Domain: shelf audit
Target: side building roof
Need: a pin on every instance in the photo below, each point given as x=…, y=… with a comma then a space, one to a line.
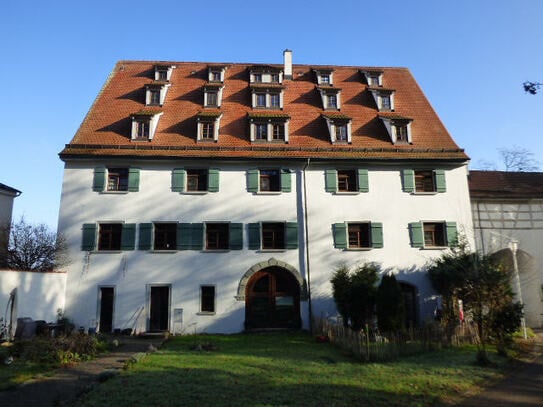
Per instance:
x=505, y=185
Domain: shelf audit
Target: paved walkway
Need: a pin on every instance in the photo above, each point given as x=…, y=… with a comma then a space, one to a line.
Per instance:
x=67, y=384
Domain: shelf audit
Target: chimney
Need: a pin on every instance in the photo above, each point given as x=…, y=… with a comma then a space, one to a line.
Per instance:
x=287, y=58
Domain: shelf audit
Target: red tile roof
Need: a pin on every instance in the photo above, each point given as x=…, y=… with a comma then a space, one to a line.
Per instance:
x=106, y=128
x=505, y=185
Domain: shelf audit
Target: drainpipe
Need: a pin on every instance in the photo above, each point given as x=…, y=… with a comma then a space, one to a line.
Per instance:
x=310, y=311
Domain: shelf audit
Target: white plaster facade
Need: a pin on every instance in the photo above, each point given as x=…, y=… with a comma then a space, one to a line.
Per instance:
x=131, y=273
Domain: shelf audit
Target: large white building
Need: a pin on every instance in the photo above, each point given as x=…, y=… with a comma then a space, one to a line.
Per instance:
x=220, y=197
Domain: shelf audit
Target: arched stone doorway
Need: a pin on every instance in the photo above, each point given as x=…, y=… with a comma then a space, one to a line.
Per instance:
x=272, y=300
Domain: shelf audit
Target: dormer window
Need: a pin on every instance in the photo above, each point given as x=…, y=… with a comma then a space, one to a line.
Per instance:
x=267, y=96
x=144, y=124
x=216, y=73
x=163, y=73
x=155, y=94
x=213, y=94
x=268, y=127
x=373, y=78
x=208, y=126
x=265, y=74
x=384, y=99
x=324, y=77
x=398, y=128
x=330, y=98
x=339, y=128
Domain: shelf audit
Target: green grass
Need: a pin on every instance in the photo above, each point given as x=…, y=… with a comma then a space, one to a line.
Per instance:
x=19, y=371
x=288, y=369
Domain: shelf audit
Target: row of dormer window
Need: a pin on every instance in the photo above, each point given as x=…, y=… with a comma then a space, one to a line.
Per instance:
x=265, y=180
x=266, y=235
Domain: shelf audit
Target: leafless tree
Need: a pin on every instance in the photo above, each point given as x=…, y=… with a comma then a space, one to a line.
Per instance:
x=34, y=248
x=531, y=87
x=518, y=159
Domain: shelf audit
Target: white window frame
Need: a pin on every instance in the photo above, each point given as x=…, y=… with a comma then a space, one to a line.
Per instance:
x=269, y=130
x=162, y=89
x=162, y=68
x=392, y=125
x=325, y=96
x=332, y=124
x=152, y=121
x=201, y=125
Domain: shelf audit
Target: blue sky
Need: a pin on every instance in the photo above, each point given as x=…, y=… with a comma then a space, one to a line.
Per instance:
x=470, y=57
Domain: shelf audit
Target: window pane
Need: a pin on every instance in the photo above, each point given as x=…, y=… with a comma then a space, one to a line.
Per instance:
x=341, y=132
x=278, y=132
x=261, y=131
x=109, y=237
x=424, y=181
x=257, y=77
x=142, y=129
x=211, y=98
x=275, y=77
x=325, y=79
x=273, y=235
x=385, y=102
x=434, y=234
x=117, y=179
x=401, y=133
x=261, y=100
x=275, y=100
x=207, y=296
x=155, y=97
x=346, y=180
x=270, y=180
x=359, y=234
x=196, y=180
x=215, y=76
x=165, y=236
x=208, y=130
x=217, y=236
x=332, y=101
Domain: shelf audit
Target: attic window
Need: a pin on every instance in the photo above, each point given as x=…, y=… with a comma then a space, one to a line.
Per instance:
x=163, y=72
x=267, y=96
x=266, y=74
x=216, y=73
x=155, y=94
x=339, y=128
x=373, y=78
x=208, y=127
x=144, y=124
x=398, y=128
x=324, y=77
x=213, y=94
x=269, y=128
x=384, y=99
x=330, y=98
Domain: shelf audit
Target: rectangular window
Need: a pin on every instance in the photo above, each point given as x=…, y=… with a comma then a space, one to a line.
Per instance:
x=385, y=102
x=341, y=132
x=109, y=236
x=424, y=181
x=211, y=98
x=196, y=180
x=117, y=179
x=208, y=130
x=217, y=236
x=142, y=129
x=215, y=76
x=162, y=75
x=275, y=100
x=207, y=298
x=165, y=236
x=401, y=133
x=434, y=234
x=260, y=100
x=373, y=80
x=331, y=102
x=346, y=181
x=278, y=131
x=154, y=97
x=270, y=180
x=325, y=79
x=359, y=235
x=273, y=235
x=257, y=77
x=261, y=131
x=274, y=78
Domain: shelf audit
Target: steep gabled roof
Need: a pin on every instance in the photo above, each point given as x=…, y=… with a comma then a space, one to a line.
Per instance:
x=505, y=185
x=9, y=190
x=106, y=129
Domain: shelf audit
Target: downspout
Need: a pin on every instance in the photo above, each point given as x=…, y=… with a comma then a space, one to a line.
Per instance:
x=310, y=311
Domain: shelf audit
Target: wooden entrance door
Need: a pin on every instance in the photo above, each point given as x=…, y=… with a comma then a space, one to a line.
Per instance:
x=272, y=300
x=107, y=295
x=410, y=303
x=159, y=308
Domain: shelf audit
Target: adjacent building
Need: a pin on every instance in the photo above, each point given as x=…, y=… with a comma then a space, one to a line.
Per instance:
x=7, y=195
x=220, y=197
x=508, y=221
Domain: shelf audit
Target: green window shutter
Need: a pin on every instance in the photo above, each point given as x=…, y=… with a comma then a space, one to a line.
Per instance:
x=285, y=180
x=363, y=183
x=292, y=235
x=254, y=236
x=252, y=180
x=213, y=180
x=178, y=180
x=376, y=235
x=99, y=180
x=197, y=236
x=340, y=236
x=417, y=235
x=184, y=236
x=128, y=236
x=441, y=185
x=408, y=178
x=89, y=237
x=236, y=236
x=133, y=179
x=146, y=236
x=452, y=234
x=330, y=180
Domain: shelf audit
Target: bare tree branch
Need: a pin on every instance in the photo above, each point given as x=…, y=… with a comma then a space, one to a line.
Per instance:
x=518, y=159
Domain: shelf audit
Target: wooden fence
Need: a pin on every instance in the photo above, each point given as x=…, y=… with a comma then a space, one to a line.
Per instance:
x=370, y=346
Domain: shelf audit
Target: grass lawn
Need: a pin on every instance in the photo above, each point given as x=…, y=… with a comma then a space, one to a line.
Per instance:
x=287, y=369
x=19, y=371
